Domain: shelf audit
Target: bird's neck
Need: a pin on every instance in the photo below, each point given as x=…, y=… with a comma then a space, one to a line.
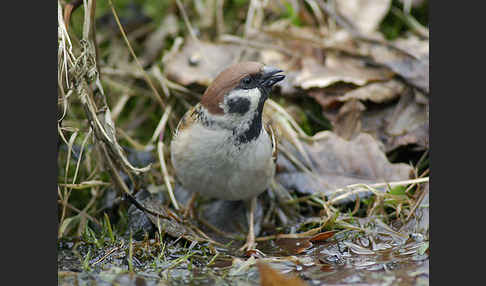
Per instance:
x=251, y=128
x=252, y=132
x=243, y=131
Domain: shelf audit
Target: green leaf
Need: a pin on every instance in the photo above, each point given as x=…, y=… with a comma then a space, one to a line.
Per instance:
x=398, y=190
x=65, y=224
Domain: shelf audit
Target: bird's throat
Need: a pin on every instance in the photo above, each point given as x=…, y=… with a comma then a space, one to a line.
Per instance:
x=253, y=131
x=254, y=127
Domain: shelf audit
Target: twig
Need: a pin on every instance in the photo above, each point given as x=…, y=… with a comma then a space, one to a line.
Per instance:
x=85, y=185
x=163, y=167
x=82, y=213
x=315, y=9
x=108, y=253
x=162, y=123
x=411, y=22
x=162, y=80
x=186, y=20
x=66, y=192
x=89, y=34
x=219, y=17
x=146, y=77
x=372, y=187
x=417, y=203
x=364, y=187
x=81, y=155
x=308, y=233
x=249, y=18
x=130, y=140
x=123, y=187
x=120, y=104
x=251, y=43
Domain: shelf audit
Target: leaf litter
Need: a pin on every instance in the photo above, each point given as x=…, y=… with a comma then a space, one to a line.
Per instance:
x=339, y=212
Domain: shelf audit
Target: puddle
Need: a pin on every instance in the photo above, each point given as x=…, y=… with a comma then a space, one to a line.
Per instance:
x=345, y=259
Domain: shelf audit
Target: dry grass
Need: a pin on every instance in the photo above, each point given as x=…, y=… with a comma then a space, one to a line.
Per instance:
x=88, y=120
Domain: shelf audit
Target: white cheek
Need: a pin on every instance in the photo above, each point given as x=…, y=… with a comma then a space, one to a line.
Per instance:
x=242, y=121
x=252, y=94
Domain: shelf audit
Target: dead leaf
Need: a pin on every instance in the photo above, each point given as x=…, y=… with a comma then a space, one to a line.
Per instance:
x=377, y=92
x=407, y=56
x=407, y=116
x=365, y=15
x=348, y=121
x=294, y=245
x=200, y=62
x=338, y=163
x=270, y=277
x=395, y=124
x=254, y=253
x=403, y=123
x=305, y=39
x=323, y=236
x=338, y=69
x=341, y=40
x=412, y=66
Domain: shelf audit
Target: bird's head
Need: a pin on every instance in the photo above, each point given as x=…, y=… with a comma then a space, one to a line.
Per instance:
x=235, y=98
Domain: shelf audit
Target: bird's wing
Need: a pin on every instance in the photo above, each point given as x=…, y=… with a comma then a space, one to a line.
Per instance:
x=186, y=120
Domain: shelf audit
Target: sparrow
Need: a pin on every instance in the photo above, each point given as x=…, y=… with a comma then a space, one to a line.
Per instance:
x=221, y=147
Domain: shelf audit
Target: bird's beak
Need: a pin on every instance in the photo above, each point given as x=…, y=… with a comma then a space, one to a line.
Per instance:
x=270, y=77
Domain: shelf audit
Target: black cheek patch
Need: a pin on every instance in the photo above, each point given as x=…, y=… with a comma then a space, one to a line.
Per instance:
x=239, y=105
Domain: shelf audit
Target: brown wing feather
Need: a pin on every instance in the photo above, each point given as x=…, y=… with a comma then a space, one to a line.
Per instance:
x=186, y=120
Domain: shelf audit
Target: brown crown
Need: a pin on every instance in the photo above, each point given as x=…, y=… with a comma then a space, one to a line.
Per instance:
x=225, y=82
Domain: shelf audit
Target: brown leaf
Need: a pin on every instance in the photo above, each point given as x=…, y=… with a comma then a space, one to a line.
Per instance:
x=413, y=66
x=377, y=92
x=323, y=235
x=337, y=69
x=254, y=253
x=294, y=245
x=338, y=163
x=348, y=121
x=271, y=277
x=395, y=124
x=403, y=123
x=200, y=62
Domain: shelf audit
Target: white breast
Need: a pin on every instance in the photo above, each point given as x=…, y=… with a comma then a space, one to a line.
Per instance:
x=208, y=162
